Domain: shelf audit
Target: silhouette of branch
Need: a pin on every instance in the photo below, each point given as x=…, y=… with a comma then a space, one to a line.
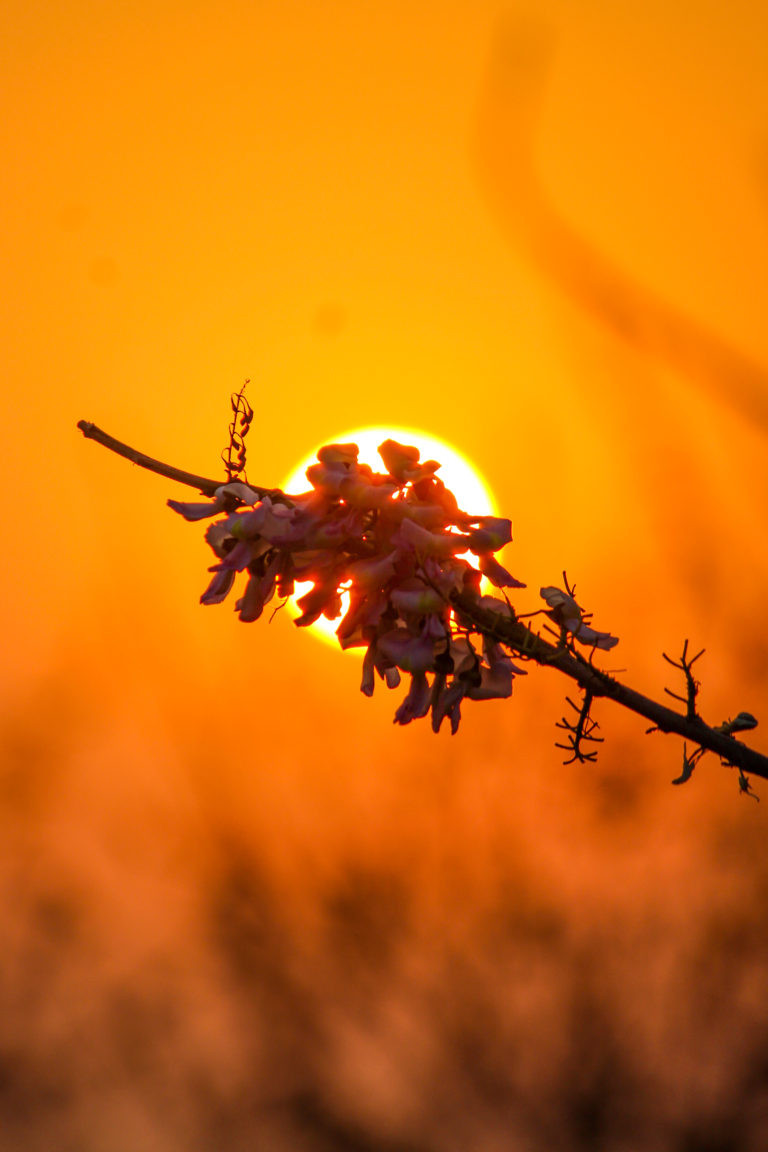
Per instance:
x=692, y=685
x=234, y=454
x=580, y=732
x=202, y=483
x=600, y=684
x=496, y=625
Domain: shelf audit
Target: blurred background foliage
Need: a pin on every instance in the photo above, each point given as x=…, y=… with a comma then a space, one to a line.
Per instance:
x=239, y=909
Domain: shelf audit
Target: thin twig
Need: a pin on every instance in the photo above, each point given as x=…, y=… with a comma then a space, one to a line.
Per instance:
x=581, y=732
x=202, y=483
x=522, y=640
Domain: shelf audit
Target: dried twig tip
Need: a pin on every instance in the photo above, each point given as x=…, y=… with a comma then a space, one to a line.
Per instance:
x=234, y=454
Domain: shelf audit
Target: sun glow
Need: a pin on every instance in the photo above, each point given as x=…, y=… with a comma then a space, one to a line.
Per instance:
x=456, y=472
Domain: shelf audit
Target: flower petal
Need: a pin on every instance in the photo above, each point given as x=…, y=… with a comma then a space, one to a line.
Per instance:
x=497, y=574
x=411, y=653
x=368, y=681
x=417, y=597
x=494, y=532
x=594, y=639
x=398, y=458
x=416, y=703
x=219, y=587
x=338, y=455
x=195, y=511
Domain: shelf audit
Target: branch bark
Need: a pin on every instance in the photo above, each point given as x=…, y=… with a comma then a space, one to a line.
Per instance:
x=203, y=483
x=519, y=637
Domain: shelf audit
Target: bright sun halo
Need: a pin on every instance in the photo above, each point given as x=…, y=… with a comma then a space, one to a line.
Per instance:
x=456, y=473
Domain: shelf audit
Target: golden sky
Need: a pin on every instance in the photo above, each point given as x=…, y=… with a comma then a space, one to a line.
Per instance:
x=539, y=232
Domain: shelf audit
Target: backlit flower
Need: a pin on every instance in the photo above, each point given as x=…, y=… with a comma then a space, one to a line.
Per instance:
x=402, y=462
x=406, y=651
x=396, y=544
x=568, y=615
x=416, y=703
x=224, y=497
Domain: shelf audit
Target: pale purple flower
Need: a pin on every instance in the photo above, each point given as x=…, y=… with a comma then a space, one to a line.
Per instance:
x=258, y=592
x=495, y=683
x=374, y=661
x=326, y=480
x=420, y=540
x=414, y=596
x=409, y=652
x=494, y=655
x=368, y=681
x=596, y=639
x=223, y=499
x=216, y=536
x=358, y=492
x=340, y=456
x=434, y=627
x=416, y=703
x=434, y=493
x=447, y=576
x=402, y=462
x=336, y=462
x=446, y=701
x=494, y=532
x=219, y=587
x=426, y=515
x=568, y=615
x=362, y=616
x=321, y=599
x=373, y=573
x=498, y=575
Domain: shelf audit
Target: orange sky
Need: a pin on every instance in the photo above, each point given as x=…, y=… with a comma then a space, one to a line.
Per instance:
x=541, y=233
x=298, y=195
x=371, y=213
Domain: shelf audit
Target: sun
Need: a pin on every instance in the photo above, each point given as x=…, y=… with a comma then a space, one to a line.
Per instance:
x=456, y=472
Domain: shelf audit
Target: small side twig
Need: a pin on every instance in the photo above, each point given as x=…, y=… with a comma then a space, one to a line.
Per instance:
x=203, y=484
x=234, y=453
x=692, y=685
x=580, y=732
x=689, y=763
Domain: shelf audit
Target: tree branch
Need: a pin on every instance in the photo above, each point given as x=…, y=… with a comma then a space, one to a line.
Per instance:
x=521, y=639
x=202, y=483
x=528, y=644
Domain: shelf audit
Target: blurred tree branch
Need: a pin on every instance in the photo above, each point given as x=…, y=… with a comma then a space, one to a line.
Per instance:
x=505, y=131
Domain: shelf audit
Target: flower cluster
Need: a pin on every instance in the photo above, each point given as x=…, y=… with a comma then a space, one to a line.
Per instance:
x=397, y=542
x=565, y=612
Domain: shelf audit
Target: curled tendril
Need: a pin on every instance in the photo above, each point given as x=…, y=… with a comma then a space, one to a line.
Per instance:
x=234, y=454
